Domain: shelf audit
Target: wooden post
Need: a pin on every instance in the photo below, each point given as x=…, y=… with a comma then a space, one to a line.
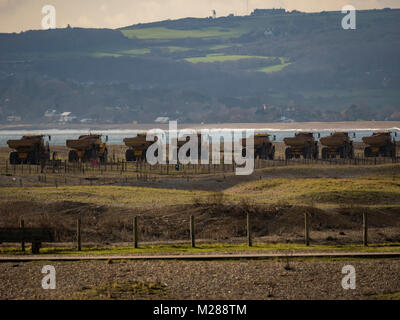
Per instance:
x=22, y=226
x=78, y=232
x=365, y=229
x=135, y=232
x=249, y=240
x=192, y=238
x=306, y=229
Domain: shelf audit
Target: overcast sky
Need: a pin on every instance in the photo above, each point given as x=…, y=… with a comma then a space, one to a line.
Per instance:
x=19, y=15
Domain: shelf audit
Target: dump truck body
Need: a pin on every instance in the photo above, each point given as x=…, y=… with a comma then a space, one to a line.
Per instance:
x=337, y=144
x=137, y=147
x=380, y=144
x=30, y=149
x=87, y=148
x=302, y=144
x=263, y=147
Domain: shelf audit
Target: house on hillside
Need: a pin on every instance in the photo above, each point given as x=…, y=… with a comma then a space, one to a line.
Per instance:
x=162, y=120
x=13, y=118
x=66, y=117
x=267, y=12
x=51, y=115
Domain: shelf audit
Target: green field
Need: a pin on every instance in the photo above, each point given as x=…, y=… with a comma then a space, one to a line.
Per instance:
x=206, y=248
x=382, y=191
x=322, y=192
x=220, y=57
x=164, y=33
x=274, y=68
x=135, y=52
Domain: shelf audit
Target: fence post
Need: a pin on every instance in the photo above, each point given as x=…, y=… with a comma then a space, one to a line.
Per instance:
x=135, y=232
x=22, y=226
x=78, y=231
x=192, y=238
x=306, y=229
x=249, y=240
x=365, y=229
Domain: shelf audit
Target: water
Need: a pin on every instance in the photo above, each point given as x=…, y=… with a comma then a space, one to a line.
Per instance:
x=116, y=137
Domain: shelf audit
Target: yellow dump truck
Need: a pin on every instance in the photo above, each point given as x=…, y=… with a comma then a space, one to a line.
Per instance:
x=87, y=148
x=337, y=144
x=137, y=147
x=380, y=144
x=30, y=149
x=263, y=147
x=303, y=145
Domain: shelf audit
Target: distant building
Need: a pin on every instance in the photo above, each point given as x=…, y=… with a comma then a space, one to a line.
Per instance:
x=287, y=120
x=51, y=115
x=162, y=120
x=266, y=12
x=66, y=117
x=13, y=118
x=86, y=121
x=268, y=33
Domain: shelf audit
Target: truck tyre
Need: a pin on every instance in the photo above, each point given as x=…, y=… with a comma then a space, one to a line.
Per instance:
x=103, y=158
x=341, y=153
x=33, y=158
x=367, y=152
x=324, y=153
x=129, y=155
x=307, y=153
x=14, y=159
x=272, y=153
x=316, y=152
x=72, y=156
x=288, y=154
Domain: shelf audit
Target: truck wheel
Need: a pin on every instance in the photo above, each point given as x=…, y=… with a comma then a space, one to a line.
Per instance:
x=129, y=155
x=316, y=153
x=14, y=159
x=307, y=153
x=341, y=153
x=288, y=154
x=367, y=152
x=103, y=158
x=272, y=154
x=324, y=153
x=33, y=158
x=351, y=153
x=72, y=156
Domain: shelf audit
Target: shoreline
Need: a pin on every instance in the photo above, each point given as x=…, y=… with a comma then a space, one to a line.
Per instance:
x=344, y=125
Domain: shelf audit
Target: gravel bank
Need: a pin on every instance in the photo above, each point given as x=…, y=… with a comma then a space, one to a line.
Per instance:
x=309, y=279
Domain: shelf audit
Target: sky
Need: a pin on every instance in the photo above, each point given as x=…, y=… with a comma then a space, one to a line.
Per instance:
x=21, y=15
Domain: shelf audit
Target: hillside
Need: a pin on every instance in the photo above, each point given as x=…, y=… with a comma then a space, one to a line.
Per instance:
x=300, y=66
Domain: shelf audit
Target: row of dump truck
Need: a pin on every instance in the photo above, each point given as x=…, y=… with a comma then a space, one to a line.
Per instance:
x=32, y=149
